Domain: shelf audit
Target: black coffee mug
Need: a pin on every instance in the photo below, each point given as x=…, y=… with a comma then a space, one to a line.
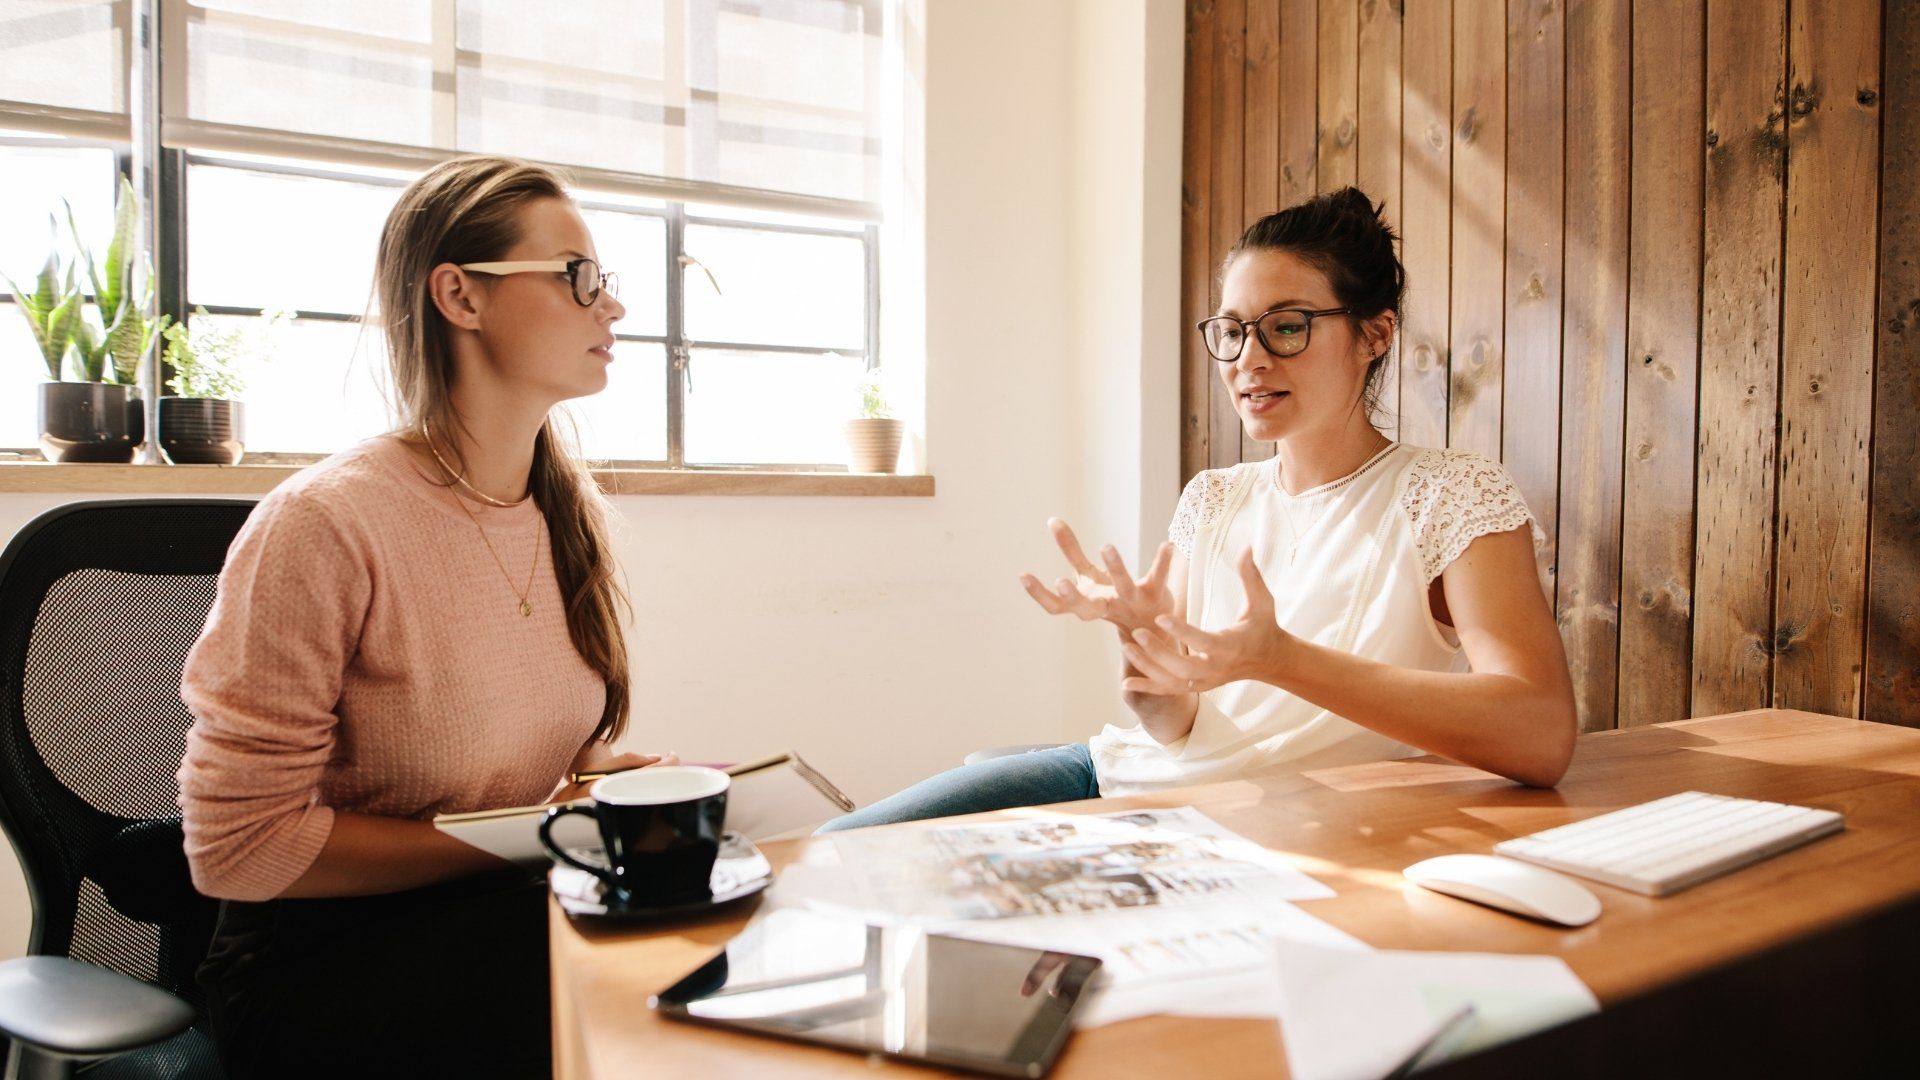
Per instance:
x=661, y=827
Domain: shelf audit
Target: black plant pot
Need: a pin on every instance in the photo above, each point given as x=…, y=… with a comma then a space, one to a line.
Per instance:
x=202, y=431
x=83, y=421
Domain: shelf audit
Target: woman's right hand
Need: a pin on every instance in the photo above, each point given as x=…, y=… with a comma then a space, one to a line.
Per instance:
x=1108, y=592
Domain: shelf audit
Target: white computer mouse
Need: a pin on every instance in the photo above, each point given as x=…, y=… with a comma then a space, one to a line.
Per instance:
x=1510, y=885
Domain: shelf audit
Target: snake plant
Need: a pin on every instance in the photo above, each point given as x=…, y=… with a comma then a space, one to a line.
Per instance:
x=124, y=331
x=52, y=308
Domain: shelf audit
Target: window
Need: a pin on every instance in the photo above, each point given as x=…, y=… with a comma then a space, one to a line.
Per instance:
x=726, y=156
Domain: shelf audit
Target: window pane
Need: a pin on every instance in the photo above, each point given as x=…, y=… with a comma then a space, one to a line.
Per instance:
x=771, y=408
x=33, y=180
x=635, y=247
x=628, y=420
x=382, y=18
x=319, y=391
x=776, y=288
x=259, y=239
x=581, y=82
x=63, y=52
x=287, y=77
x=612, y=37
x=21, y=371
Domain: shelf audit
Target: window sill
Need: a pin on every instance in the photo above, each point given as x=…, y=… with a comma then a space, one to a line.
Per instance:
x=260, y=479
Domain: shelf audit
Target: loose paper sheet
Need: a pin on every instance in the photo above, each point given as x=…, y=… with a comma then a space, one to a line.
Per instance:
x=1347, y=1014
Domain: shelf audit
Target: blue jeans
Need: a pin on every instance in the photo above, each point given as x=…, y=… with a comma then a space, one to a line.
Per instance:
x=1062, y=774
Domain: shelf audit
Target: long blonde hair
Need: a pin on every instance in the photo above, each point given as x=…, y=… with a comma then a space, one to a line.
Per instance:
x=468, y=210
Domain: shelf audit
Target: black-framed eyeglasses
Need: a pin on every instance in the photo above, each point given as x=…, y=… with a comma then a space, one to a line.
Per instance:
x=584, y=275
x=1283, y=331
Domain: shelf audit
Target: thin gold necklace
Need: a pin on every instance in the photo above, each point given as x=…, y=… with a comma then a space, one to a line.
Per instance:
x=426, y=433
x=525, y=594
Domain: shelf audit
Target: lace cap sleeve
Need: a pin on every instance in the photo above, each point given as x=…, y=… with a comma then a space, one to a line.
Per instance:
x=1454, y=497
x=1200, y=504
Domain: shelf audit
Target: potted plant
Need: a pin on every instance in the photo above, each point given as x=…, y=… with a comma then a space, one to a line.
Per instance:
x=203, y=422
x=873, y=437
x=99, y=415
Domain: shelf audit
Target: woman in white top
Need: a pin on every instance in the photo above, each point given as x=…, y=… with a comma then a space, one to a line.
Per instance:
x=1350, y=599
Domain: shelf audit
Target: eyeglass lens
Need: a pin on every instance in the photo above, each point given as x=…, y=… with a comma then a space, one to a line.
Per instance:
x=1283, y=333
x=586, y=281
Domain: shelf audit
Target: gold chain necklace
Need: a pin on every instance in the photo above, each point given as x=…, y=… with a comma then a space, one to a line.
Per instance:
x=460, y=478
x=525, y=594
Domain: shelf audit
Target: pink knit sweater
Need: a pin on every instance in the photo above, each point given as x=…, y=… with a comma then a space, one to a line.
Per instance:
x=366, y=654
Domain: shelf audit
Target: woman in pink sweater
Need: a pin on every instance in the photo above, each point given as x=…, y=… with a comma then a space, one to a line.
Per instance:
x=427, y=623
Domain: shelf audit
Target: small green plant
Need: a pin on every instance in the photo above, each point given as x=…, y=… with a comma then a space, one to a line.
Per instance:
x=52, y=308
x=206, y=358
x=873, y=399
x=124, y=331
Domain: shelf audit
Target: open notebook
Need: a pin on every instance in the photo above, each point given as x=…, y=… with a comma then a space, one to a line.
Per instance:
x=770, y=798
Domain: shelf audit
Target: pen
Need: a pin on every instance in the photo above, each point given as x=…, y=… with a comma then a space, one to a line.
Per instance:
x=589, y=777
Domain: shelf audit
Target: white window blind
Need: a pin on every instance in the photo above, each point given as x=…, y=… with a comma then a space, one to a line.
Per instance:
x=63, y=66
x=765, y=102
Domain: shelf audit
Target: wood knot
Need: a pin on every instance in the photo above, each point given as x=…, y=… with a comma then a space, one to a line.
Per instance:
x=1713, y=137
x=1813, y=386
x=1802, y=101
x=1469, y=124
x=1644, y=451
x=1437, y=136
x=1649, y=360
x=1535, y=289
x=1344, y=134
x=1867, y=95
x=1897, y=322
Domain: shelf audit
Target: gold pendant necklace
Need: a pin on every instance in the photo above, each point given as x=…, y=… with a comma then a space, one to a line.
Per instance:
x=525, y=594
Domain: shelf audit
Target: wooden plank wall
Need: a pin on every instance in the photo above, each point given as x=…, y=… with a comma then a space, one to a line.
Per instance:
x=1664, y=261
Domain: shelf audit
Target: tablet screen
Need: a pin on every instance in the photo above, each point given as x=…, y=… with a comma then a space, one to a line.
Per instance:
x=899, y=991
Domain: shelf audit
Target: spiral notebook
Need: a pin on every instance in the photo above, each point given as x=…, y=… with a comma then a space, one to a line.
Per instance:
x=771, y=798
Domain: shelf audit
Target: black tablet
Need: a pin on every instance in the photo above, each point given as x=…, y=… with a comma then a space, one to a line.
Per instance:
x=897, y=991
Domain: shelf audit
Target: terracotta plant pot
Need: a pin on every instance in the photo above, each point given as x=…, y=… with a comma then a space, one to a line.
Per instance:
x=202, y=431
x=873, y=446
x=85, y=421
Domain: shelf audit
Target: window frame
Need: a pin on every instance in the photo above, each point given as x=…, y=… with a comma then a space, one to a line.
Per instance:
x=149, y=29
x=174, y=288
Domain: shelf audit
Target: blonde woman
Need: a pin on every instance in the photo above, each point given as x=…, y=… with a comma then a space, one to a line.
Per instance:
x=426, y=623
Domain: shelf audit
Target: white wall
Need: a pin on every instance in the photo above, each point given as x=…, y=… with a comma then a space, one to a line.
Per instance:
x=1033, y=263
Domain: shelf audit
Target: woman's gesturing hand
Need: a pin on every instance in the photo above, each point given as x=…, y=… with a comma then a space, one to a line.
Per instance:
x=1173, y=657
x=1108, y=591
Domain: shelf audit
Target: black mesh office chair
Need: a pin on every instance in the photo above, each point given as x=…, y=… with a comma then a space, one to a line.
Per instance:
x=99, y=603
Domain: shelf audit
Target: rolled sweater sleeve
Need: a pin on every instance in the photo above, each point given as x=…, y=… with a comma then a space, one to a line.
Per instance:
x=264, y=683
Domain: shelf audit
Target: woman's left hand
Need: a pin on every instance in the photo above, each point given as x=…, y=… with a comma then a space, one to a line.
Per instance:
x=1181, y=659
x=597, y=757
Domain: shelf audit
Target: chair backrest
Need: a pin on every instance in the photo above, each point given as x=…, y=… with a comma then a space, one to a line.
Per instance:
x=99, y=604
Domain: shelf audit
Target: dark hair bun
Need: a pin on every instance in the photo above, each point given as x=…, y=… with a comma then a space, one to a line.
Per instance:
x=1341, y=234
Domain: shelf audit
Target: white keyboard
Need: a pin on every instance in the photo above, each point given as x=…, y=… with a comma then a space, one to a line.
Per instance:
x=1674, y=843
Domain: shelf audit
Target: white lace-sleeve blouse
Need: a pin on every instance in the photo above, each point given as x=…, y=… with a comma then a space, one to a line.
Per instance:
x=1349, y=564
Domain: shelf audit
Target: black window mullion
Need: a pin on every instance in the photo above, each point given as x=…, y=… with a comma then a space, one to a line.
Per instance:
x=170, y=210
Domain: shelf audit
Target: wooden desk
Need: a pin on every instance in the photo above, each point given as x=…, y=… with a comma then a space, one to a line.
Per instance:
x=1752, y=948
